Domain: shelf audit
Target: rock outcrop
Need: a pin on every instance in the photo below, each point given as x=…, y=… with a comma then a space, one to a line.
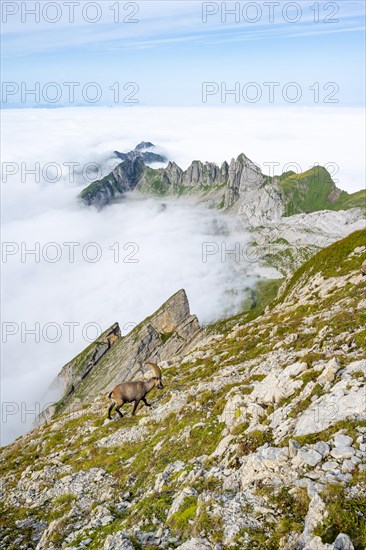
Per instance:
x=123, y=178
x=113, y=358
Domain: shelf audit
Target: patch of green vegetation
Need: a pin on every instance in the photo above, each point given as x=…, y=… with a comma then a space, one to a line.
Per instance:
x=108, y=184
x=210, y=483
x=290, y=510
x=8, y=519
x=307, y=192
x=305, y=403
x=180, y=522
x=349, y=426
x=60, y=506
x=241, y=428
x=257, y=377
x=154, y=507
x=155, y=182
x=211, y=526
x=99, y=535
x=332, y=261
x=352, y=200
x=312, y=357
x=309, y=376
x=165, y=336
x=251, y=441
x=346, y=513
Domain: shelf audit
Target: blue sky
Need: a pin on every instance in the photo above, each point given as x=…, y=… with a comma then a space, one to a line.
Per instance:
x=176, y=46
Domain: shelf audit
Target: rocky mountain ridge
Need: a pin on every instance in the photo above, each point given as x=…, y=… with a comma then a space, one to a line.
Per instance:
x=258, y=440
x=112, y=357
x=226, y=185
x=289, y=217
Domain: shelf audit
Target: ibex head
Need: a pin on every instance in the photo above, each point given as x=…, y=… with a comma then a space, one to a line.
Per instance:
x=157, y=374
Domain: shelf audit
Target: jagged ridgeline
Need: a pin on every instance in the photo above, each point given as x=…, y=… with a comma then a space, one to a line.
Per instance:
x=112, y=358
x=257, y=441
x=225, y=185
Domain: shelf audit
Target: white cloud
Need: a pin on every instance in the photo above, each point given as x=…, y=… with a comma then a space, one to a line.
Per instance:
x=169, y=239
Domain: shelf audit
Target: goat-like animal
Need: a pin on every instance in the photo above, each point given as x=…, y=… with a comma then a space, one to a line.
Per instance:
x=136, y=391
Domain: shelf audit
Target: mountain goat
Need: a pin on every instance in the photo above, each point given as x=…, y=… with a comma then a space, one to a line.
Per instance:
x=136, y=391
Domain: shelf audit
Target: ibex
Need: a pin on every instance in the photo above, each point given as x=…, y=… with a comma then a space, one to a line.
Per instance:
x=134, y=391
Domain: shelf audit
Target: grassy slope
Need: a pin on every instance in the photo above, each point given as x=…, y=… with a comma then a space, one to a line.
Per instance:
x=312, y=190
x=332, y=261
x=352, y=200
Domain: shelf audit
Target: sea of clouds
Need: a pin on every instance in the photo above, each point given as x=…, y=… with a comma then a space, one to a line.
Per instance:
x=121, y=263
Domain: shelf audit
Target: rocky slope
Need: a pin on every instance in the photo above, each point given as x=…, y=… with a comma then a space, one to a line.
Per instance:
x=258, y=440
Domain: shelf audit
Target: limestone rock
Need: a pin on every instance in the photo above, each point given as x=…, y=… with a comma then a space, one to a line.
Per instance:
x=310, y=457
x=195, y=544
x=341, y=452
x=341, y=440
x=343, y=542
x=118, y=541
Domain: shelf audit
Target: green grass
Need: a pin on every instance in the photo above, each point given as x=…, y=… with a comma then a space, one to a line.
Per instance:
x=349, y=426
x=352, y=200
x=346, y=513
x=332, y=261
x=308, y=191
x=180, y=522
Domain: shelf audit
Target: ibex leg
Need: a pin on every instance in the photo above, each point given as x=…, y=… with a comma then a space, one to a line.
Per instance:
x=135, y=407
x=118, y=410
x=110, y=410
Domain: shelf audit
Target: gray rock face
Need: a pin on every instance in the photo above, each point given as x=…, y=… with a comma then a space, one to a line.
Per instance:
x=343, y=542
x=123, y=178
x=144, y=150
x=342, y=452
x=322, y=448
x=244, y=176
x=195, y=544
x=208, y=173
x=118, y=541
x=342, y=440
x=310, y=457
x=159, y=338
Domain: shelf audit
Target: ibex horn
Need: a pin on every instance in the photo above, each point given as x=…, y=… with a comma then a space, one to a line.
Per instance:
x=154, y=367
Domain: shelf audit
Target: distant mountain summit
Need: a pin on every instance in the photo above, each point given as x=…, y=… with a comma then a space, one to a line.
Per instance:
x=142, y=151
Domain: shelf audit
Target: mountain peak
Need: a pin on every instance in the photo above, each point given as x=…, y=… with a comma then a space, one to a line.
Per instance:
x=112, y=358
